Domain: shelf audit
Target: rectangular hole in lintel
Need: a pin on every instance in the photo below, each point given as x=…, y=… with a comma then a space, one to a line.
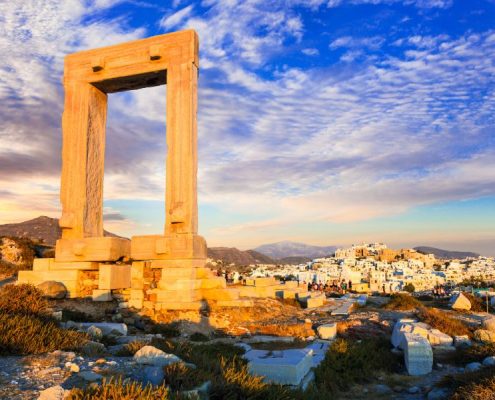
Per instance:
x=141, y=81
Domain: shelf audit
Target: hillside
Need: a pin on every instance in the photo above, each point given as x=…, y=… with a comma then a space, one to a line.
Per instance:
x=232, y=255
x=42, y=229
x=293, y=249
x=445, y=254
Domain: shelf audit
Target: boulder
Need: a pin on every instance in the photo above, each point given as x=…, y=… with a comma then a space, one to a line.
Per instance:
x=150, y=355
x=484, y=336
x=106, y=327
x=472, y=367
x=90, y=376
x=462, y=341
x=93, y=349
x=460, y=302
x=53, y=289
x=489, y=361
x=153, y=375
x=52, y=393
x=438, y=338
x=94, y=332
x=327, y=331
x=418, y=355
x=488, y=324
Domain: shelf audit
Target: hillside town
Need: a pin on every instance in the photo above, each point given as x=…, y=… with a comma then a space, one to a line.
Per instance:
x=373, y=267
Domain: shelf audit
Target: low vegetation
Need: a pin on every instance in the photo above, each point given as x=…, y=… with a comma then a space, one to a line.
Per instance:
x=120, y=390
x=402, y=302
x=22, y=299
x=479, y=385
x=25, y=252
x=348, y=362
x=442, y=321
x=26, y=326
x=477, y=304
x=476, y=352
x=29, y=334
x=129, y=349
x=179, y=377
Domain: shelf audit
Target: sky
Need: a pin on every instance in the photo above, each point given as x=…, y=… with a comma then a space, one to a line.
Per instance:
x=328, y=122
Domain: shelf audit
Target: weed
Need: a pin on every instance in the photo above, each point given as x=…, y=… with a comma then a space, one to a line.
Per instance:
x=198, y=337
x=476, y=352
x=478, y=385
x=166, y=330
x=181, y=377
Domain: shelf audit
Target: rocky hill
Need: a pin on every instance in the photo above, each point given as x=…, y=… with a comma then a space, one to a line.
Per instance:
x=231, y=255
x=42, y=229
x=293, y=249
x=445, y=254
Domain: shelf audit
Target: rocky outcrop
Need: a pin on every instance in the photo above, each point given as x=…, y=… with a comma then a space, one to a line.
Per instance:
x=53, y=289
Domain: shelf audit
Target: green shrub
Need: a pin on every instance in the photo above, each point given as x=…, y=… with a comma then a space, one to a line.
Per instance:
x=410, y=288
x=442, y=321
x=347, y=363
x=199, y=337
x=402, y=302
x=166, y=330
x=30, y=334
x=120, y=390
x=76, y=316
x=22, y=299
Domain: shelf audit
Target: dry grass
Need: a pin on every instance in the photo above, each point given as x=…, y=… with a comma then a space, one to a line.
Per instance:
x=477, y=304
x=29, y=334
x=442, y=321
x=181, y=377
x=26, y=253
x=129, y=349
x=295, y=330
x=22, y=299
x=120, y=390
x=476, y=352
x=402, y=302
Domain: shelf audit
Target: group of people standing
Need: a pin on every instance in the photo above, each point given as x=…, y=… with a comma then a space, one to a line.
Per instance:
x=333, y=286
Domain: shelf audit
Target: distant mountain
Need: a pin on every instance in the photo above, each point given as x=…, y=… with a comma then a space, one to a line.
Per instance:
x=445, y=254
x=293, y=249
x=42, y=229
x=296, y=260
x=231, y=255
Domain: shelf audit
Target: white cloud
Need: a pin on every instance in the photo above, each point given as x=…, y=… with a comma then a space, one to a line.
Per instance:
x=310, y=51
x=171, y=21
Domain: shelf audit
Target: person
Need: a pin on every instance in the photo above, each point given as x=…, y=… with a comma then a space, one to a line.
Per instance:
x=350, y=285
x=343, y=286
x=309, y=286
x=383, y=288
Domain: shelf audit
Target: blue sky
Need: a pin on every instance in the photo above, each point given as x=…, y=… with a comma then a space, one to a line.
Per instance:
x=328, y=122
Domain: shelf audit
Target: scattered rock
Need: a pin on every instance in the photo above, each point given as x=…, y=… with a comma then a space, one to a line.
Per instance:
x=460, y=302
x=72, y=367
x=484, y=336
x=413, y=390
x=474, y=366
x=462, y=341
x=489, y=361
x=154, y=375
x=93, y=349
x=438, y=394
x=95, y=333
x=382, y=389
x=488, y=324
x=90, y=376
x=327, y=331
x=52, y=393
x=150, y=355
x=418, y=355
x=53, y=289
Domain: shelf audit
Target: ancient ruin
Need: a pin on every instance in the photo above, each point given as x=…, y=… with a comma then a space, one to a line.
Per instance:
x=156, y=272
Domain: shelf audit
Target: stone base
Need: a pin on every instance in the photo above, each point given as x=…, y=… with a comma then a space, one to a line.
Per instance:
x=92, y=249
x=169, y=247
